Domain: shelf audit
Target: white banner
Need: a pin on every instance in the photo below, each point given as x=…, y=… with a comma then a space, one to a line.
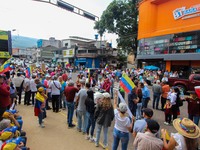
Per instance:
x=123, y=101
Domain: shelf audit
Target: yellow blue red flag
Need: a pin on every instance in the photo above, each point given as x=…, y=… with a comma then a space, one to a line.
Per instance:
x=5, y=67
x=126, y=83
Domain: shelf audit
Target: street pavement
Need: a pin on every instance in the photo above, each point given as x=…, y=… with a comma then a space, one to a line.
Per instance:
x=57, y=136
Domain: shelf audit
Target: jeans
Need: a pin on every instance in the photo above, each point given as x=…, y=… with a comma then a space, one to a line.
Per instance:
x=82, y=124
x=55, y=103
x=145, y=102
x=40, y=117
x=111, y=92
x=91, y=123
x=105, y=133
x=62, y=100
x=195, y=119
x=70, y=109
x=20, y=121
x=139, y=111
x=156, y=99
x=117, y=136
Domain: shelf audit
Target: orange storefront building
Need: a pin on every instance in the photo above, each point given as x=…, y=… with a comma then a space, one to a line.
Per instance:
x=169, y=34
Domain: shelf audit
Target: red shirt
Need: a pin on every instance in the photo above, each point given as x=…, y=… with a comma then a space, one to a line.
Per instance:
x=70, y=92
x=4, y=95
x=64, y=76
x=193, y=106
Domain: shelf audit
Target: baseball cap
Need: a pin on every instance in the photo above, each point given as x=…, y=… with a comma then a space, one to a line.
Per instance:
x=122, y=107
x=148, y=112
x=152, y=125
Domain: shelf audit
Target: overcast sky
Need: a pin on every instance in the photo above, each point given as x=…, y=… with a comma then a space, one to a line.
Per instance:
x=41, y=20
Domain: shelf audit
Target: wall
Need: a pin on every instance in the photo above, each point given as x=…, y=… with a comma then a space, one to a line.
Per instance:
x=157, y=19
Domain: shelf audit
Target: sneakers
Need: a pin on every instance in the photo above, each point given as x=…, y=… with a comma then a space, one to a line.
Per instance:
x=97, y=144
x=42, y=125
x=105, y=146
x=92, y=140
x=87, y=137
x=166, y=123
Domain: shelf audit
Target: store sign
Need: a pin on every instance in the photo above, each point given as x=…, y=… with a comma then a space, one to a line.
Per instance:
x=68, y=53
x=3, y=35
x=186, y=13
x=4, y=54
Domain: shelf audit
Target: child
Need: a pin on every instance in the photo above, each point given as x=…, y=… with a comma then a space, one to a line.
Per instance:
x=40, y=105
x=168, y=114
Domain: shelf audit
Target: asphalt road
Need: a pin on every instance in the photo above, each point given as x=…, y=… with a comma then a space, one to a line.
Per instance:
x=57, y=136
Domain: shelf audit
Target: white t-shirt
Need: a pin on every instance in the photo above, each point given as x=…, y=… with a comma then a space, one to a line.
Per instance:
x=55, y=87
x=121, y=124
x=27, y=84
x=180, y=140
x=33, y=86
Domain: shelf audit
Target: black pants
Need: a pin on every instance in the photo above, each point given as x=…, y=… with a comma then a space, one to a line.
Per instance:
x=174, y=111
x=55, y=103
x=19, y=93
x=163, y=101
x=33, y=97
x=168, y=118
x=27, y=98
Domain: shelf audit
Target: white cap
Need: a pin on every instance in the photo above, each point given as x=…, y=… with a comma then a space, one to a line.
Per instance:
x=106, y=95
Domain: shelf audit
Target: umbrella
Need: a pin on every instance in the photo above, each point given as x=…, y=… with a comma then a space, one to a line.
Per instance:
x=151, y=68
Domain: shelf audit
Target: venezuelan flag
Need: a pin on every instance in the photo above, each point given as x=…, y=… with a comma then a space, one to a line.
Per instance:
x=126, y=83
x=37, y=107
x=5, y=67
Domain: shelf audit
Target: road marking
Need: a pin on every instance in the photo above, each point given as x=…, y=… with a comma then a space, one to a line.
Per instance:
x=63, y=114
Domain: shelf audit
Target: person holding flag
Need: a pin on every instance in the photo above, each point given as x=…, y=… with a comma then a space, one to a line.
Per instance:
x=122, y=126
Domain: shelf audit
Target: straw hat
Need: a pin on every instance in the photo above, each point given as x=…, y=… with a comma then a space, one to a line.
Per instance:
x=187, y=128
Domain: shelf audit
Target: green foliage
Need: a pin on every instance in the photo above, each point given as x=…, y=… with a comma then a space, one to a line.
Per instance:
x=120, y=18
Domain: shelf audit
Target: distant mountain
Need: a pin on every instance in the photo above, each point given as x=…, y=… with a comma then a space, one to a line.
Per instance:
x=23, y=42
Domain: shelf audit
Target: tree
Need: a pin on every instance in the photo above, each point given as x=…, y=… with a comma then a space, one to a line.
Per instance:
x=121, y=18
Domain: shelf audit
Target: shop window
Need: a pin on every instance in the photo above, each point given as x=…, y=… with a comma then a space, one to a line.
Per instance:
x=188, y=42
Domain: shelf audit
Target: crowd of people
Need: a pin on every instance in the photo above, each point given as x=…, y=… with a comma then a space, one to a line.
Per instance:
x=93, y=100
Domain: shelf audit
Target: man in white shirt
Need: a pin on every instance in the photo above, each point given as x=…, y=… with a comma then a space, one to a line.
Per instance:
x=33, y=88
x=18, y=82
x=55, y=92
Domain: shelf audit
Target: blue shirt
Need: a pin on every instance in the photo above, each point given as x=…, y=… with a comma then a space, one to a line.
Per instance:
x=140, y=126
x=145, y=92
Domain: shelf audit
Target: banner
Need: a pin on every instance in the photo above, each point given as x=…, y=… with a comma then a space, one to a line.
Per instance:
x=123, y=101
